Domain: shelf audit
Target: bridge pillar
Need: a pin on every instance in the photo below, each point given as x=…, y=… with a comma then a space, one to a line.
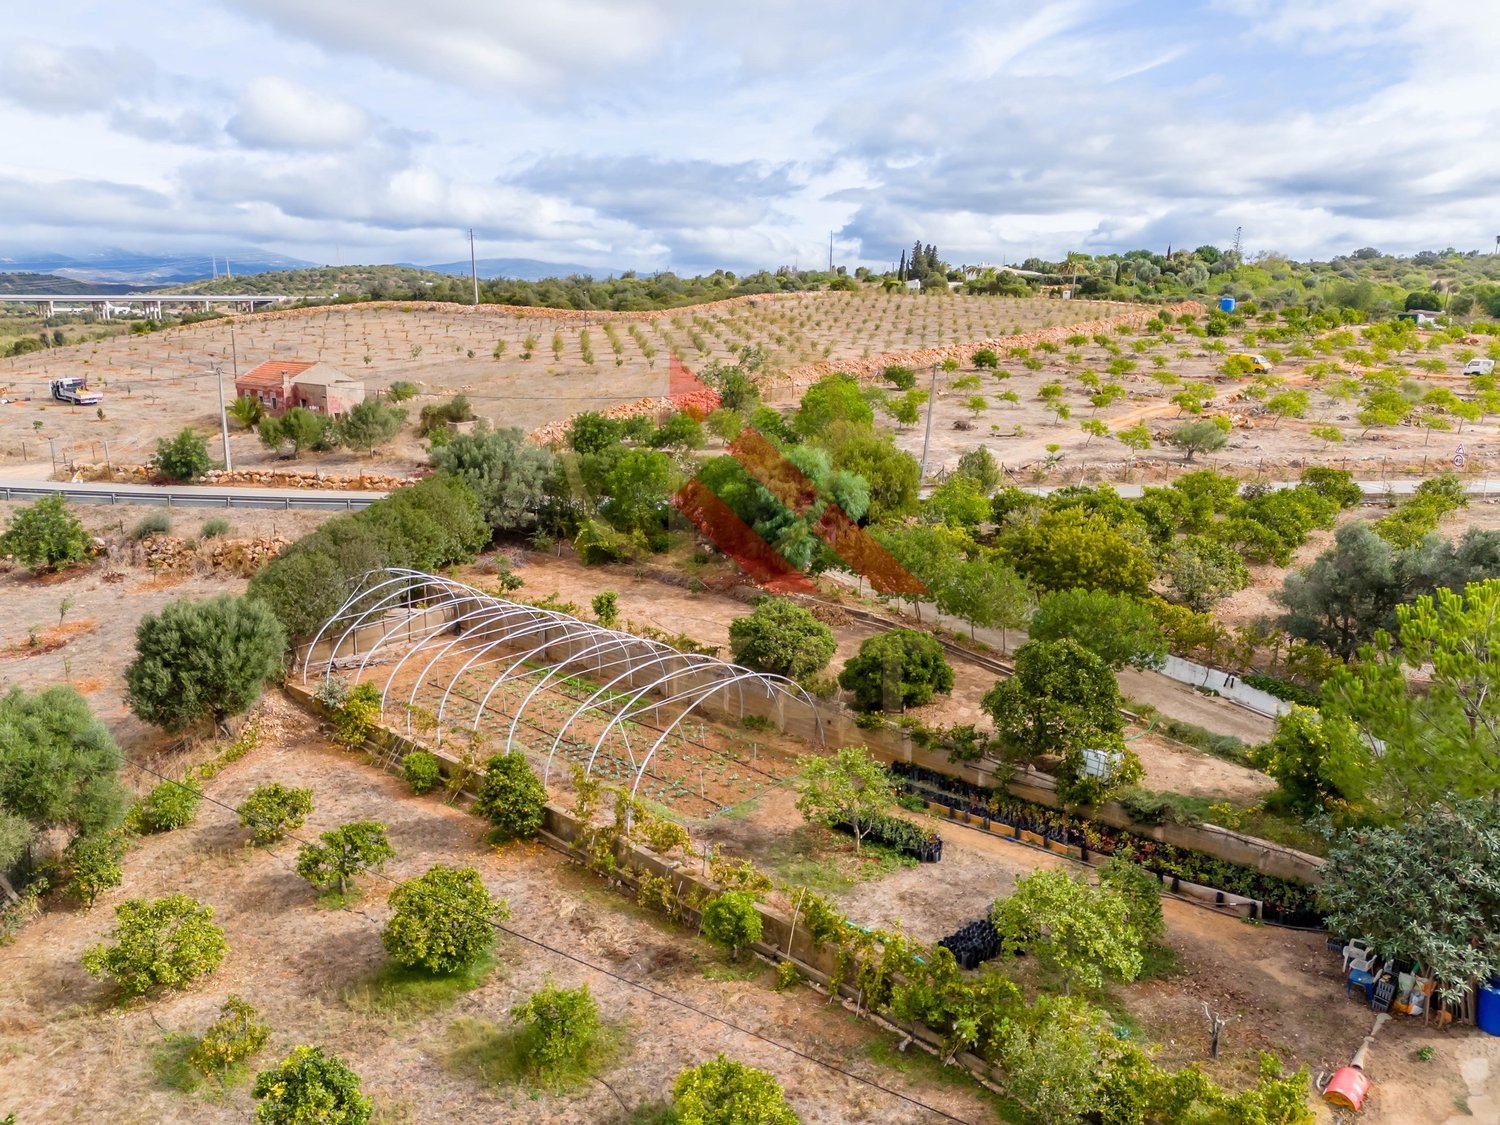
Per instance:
x=152, y=310
x=101, y=309
x=50, y=306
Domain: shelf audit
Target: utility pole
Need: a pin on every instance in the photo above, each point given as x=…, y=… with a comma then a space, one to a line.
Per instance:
x=927, y=438
x=830, y=251
x=223, y=414
x=474, y=265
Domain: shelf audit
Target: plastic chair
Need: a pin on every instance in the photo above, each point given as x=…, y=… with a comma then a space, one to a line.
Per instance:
x=1363, y=963
x=1365, y=979
x=1355, y=948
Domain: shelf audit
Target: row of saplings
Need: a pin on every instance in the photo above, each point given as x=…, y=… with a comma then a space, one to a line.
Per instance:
x=443, y=925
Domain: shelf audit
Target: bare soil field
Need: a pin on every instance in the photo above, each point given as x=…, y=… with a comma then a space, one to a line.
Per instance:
x=157, y=383
x=90, y=643
x=1019, y=433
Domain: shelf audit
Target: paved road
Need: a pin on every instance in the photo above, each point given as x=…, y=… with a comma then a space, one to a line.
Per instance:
x=189, y=495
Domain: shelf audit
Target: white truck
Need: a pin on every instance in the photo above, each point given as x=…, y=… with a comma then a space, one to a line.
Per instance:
x=74, y=389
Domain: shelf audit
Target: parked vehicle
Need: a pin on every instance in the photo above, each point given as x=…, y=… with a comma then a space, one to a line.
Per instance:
x=75, y=390
x=1259, y=364
x=1478, y=366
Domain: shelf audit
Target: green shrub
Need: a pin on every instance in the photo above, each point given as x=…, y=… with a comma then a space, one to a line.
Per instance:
x=273, y=810
x=170, y=805
x=897, y=669
x=155, y=523
x=310, y=1087
x=443, y=921
x=422, y=770
x=183, y=458
x=512, y=796
x=732, y=920
x=161, y=943
x=214, y=528
x=46, y=536
x=559, y=1030
x=782, y=637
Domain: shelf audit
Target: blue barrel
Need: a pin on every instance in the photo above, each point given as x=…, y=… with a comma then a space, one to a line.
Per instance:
x=1487, y=1011
x=1226, y=304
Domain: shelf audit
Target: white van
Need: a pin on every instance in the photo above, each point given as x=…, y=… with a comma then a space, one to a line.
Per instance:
x=1479, y=367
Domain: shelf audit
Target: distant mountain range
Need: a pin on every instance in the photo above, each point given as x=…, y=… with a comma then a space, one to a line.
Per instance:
x=130, y=269
x=146, y=270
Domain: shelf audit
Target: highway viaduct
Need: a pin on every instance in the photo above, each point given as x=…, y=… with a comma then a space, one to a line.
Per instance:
x=104, y=307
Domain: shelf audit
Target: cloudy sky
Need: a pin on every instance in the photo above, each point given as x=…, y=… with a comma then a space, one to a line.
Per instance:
x=691, y=135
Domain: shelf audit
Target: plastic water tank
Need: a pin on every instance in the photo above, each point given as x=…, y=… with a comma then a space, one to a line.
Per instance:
x=1487, y=1011
x=1226, y=304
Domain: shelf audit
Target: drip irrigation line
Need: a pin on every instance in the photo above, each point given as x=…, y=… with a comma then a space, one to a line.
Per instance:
x=585, y=963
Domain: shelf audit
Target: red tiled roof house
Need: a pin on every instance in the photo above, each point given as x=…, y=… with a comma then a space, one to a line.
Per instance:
x=280, y=384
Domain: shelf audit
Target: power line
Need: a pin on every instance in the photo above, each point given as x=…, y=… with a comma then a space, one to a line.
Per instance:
x=585, y=963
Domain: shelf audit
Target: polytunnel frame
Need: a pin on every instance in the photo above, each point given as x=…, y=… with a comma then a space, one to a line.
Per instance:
x=462, y=607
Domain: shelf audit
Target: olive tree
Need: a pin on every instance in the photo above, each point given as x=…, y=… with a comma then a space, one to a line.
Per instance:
x=203, y=660
x=59, y=768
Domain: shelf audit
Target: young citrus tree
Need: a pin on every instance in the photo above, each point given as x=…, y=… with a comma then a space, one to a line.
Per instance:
x=343, y=852
x=444, y=920
x=309, y=1086
x=559, y=1030
x=731, y=920
x=272, y=810
x=512, y=796
x=159, y=943
x=237, y=1034
x=724, y=1092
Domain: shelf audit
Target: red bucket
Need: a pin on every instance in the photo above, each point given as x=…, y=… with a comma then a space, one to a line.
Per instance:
x=1347, y=1088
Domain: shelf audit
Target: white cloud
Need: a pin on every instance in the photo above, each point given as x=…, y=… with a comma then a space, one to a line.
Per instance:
x=535, y=48
x=277, y=113
x=48, y=78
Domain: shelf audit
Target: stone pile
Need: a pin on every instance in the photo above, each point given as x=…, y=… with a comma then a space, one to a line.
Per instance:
x=262, y=478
